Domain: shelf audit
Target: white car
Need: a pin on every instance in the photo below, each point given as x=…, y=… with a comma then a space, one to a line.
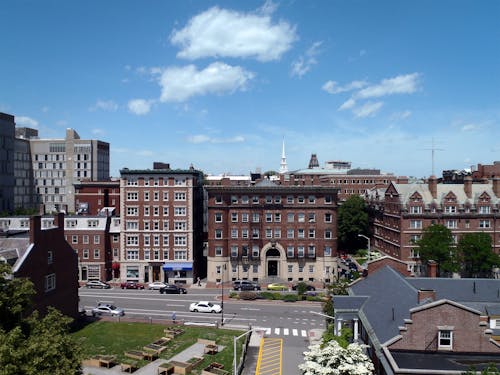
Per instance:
x=107, y=309
x=156, y=285
x=205, y=306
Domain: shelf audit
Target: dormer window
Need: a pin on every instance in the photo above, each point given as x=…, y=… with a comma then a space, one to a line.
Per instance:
x=450, y=209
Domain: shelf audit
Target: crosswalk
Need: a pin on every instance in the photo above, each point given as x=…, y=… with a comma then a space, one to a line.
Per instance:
x=280, y=331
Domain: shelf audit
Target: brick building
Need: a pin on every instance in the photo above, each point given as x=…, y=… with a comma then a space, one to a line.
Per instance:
x=161, y=224
x=91, y=197
x=267, y=231
x=401, y=212
x=422, y=325
x=37, y=250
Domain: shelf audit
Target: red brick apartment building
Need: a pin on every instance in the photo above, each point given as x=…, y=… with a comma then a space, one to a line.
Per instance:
x=37, y=250
x=266, y=231
x=401, y=212
x=90, y=237
x=91, y=197
x=161, y=224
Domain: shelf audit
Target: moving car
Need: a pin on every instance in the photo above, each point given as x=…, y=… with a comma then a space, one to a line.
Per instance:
x=277, y=286
x=172, y=289
x=205, y=306
x=107, y=309
x=131, y=285
x=245, y=285
x=97, y=284
x=156, y=285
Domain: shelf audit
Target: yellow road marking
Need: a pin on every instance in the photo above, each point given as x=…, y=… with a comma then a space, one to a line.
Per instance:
x=270, y=358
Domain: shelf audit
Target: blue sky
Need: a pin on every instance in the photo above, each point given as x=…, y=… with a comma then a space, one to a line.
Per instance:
x=220, y=84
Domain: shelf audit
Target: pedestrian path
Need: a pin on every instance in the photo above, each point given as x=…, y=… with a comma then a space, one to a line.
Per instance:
x=280, y=331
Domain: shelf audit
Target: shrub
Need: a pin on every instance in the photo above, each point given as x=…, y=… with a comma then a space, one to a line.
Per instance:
x=267, y=295
x=248, y=295
x=234, y=295
x=290, y=298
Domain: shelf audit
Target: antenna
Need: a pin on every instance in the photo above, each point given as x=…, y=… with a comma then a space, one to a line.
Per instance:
x=433, y=150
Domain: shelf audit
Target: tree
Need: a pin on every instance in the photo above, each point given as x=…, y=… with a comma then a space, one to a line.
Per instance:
x=437, y=244
x=333, y=359
x=476, y=254
x=32, y=345
x=352, y=220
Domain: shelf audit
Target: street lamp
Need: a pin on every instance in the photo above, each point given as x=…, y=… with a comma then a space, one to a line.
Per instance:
x=222, y=295
x=368, y=239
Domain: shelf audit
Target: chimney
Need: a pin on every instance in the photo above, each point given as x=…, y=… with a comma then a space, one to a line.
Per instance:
x=432, y=181
x=496, y=186
x=35, y=227
x=59, y=221
x=432, y=268
x=468, y=186
x=424, y=294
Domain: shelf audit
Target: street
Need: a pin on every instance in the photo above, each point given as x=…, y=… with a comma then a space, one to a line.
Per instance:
x=290, y=321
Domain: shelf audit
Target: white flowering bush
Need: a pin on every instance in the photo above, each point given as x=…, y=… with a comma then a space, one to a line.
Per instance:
x=332, y=359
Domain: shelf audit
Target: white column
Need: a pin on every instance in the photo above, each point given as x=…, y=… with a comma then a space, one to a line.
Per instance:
x=339, y=327
x=356, y=330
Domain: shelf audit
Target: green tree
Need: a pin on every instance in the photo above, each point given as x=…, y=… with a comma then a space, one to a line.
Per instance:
x=352, y=220
x=437, y=244
x=476, y=254
x=32, y=345
x=328, y=310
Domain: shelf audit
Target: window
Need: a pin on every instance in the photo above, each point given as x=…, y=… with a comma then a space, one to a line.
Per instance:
x=234, y=217
x=269, y=233
x=300, y=251
x=50, y=282
x=132, y=196
x=328, y=251
x=234, y=251
x=156, y=195
x=132, y=254
x=289, y=233
x=484, y=209
x=244, y=199
x=156, y=211
x=301, y=233
x=244, y=250
x=85, y=254
x=180, y=225
x=311, y=268
x=146, y=195
x=312, y=199
x=218, y=199
x=218, y=251
x=218, y=233
x=415, y=209
x=269, y=199
x=277, y=217
x=132, y=240
x=312, y=233
x=156, y=240
x=301, y=217
x=96, y=254
x=277, y=199
x=328, y=234
x=277, y=232
x=147, y=240
x=300, y=199
x=450, y=209
x=255, y=233
x=97, y=239
x=255, y=251
x=234, y=233
x=132, y=211
x=255, y=199
x=179, y=196
x=244, y=217
x=451, y=224
x=328, y=199
x=445, y=339
x=180, y=211
x=255, y=268
x=269, y=217
x=290, y=218
x=255, y=217
x=218, y=217
x=289, y=199
x=311, y=251
x=244, y=233
x=146, y=210
x=180, y=241
x=290, y=268
x=74, y=239
x=165, y=195
x=416, y=224
x=290, y=250
x=85, y=238
x=50, y=257
x=311, y=217
x=131, y=225
x=484, y=223
x=414, y=238
x=180, y=254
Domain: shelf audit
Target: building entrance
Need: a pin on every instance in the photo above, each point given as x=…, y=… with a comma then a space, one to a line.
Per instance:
x=273, y=256
x=272, y=268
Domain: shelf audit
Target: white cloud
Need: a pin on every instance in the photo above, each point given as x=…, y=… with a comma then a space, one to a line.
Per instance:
x=201, y=138
x=402, y=84
x=368, y=109
x=139, y=106
x=470, y=127
x=304, y=63
x=105, y=105
x=26, y=121
x=332, y=87
x=226, y=33
x=145, y=153
x=45, y=109
x=180, y=83
x=348, y=104
x=400, y=115
x=98, y=131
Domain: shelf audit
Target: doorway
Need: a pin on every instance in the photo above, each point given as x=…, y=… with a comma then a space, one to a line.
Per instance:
x=272, y=268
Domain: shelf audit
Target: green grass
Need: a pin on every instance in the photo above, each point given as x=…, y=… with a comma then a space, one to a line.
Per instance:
x=113, y=338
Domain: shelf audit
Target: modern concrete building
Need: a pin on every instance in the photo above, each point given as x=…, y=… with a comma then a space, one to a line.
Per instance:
x=7, y=181
x=267, y=231
x=161, y=224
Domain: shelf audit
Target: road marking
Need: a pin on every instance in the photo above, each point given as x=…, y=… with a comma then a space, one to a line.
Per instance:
x=295, y=332
x=303, y=333
x=270, y=357
x=268, y=331
x=276, y=331
x=286, y=331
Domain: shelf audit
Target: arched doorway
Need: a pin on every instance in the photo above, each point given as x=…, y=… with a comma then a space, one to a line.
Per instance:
x=272, y=259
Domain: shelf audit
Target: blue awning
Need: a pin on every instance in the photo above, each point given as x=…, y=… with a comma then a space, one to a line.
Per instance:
x=178, y=266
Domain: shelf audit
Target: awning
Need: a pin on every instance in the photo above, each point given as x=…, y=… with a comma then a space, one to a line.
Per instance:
x=178, y=266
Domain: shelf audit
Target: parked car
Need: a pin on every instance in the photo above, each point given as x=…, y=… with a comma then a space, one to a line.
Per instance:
x=205, y=306
x=173, y=289
x=277, y=286
x=245, y=285
x=309, y=287
x=107, y=309
x=97, y=284
x=131, y=285
x=156, y=285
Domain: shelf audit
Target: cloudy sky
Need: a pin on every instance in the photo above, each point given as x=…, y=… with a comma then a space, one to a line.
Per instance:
x=221, y=84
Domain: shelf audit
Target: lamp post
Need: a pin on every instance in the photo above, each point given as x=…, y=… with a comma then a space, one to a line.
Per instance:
x=222, y=295
x=235, y=339
x=368, y=239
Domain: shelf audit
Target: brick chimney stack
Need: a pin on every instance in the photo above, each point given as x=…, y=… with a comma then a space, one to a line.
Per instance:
x=432, y=181
x=468, y=186
x=424, y=294
x=496, y=186
x=35, y=227
x=432, y=268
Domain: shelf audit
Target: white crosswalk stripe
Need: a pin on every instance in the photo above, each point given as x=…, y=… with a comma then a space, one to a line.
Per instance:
x=295, y=332
x=285, y=331
x=278, y=331
x=303, y=333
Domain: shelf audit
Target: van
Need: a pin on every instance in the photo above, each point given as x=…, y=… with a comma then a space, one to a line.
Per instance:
x=245, y=285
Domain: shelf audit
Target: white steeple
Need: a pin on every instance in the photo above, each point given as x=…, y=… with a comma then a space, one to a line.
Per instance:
x=283, y=166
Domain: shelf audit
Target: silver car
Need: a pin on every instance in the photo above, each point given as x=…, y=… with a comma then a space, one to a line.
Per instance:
x=107, y=309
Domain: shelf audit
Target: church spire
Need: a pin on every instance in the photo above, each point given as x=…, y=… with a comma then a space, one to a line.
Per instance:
x=283, y=166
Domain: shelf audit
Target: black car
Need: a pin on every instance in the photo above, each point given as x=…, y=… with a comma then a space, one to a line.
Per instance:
x=309, y=288
x=172, y=289
x=245, y=285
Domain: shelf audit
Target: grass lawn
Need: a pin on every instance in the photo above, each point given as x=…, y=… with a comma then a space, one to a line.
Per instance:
x=104, y=337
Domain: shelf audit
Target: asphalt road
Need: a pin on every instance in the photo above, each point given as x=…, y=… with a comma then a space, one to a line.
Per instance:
x=290, y=321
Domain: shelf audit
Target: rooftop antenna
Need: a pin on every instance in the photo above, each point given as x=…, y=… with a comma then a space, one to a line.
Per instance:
x=433, y=150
